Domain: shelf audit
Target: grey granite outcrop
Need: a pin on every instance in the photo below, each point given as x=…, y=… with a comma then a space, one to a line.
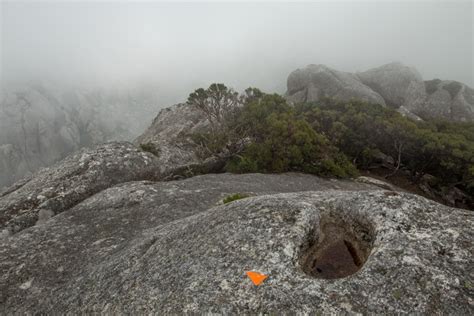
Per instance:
x=395, y=85
x=56, y=189
x=173, y=247
x=318, y=81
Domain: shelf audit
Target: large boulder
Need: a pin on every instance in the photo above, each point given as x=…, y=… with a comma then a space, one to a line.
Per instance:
x=170, y=136
x=173, y=247
x=447, y=99
x=318, y=81
x=395, y=85
x=399, y=85
x=55, y=189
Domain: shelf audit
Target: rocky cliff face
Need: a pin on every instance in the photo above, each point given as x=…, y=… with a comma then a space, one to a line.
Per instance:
x=79, y=176
x=317, y=81
x=397, y=84
x=42, y=124
x=99, y=232
x=169, y=133
x=394, y=85
x=169, y=137
x=447, y=99
x=174, y=247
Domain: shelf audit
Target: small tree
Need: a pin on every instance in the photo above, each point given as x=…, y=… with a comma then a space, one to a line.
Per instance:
x=222, y=107
x=216, y=102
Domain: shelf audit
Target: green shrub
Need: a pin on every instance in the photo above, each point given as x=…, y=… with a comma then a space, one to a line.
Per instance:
x=151, y=148
x=331, y=138
x=363, y=131
x=241, y=164
x=281, y=142
x=234, y=197
x=210, y=144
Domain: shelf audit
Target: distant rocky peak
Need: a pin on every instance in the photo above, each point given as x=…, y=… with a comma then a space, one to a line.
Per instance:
x=394, y=84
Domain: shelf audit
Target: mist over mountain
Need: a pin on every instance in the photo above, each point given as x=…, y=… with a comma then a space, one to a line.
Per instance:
x=181, y=46
x=41, y=123
x=75, y=74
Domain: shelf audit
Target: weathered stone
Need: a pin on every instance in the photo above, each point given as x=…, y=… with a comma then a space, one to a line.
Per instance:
x=407, y=113
x=170, y=134
x=376, y=182
x=396, y=85
x=144, y=247
x=318, y=81
x=399, y=85
x=447, y=99
x=72, y=180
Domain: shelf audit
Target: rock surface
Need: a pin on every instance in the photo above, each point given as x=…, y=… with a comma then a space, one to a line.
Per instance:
x=447, y=99
x=172, y=247
x=376, y=182
x=394, y=85
x=169, y=135
x=398, y=84
x=55, y=189
x=318, y=81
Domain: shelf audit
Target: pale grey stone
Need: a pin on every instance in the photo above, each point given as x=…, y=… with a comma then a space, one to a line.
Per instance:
x=143, y=247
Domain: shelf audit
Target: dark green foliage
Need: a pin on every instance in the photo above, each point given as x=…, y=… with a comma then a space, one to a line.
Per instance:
x=362, y=131
x=210, y=144
x=234, y=197
x=151, y=148
x=281, y=142
x=221, y=106
x=332, y=138
x=216, y=102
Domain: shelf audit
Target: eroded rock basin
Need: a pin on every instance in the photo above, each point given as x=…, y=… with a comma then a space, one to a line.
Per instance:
x=337, y=248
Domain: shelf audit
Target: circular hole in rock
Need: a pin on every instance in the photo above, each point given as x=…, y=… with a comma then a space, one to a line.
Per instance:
x=338, y=249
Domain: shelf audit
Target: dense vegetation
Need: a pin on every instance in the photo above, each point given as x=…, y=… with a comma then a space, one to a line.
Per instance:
x=262, y=133
x=365, y=132
x=151, y=148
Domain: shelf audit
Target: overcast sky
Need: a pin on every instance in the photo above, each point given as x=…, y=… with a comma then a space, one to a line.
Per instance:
x=181, y=46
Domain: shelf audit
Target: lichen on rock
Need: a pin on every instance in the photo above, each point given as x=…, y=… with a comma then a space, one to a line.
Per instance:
x=165, y=247
x=55, y=189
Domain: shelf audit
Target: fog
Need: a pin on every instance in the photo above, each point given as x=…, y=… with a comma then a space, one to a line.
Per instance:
x=177, y=47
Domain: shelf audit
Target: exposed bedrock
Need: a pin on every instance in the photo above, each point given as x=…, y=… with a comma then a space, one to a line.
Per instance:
x=174, y=247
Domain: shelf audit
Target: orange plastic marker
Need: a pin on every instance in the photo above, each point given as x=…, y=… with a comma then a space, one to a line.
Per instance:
x=257, y=278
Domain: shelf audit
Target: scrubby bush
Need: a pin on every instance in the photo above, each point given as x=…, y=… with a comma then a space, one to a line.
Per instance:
x=281, y=142
x=151, y=148
x=263, y=133
x=363, y=131
x=234, y=197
